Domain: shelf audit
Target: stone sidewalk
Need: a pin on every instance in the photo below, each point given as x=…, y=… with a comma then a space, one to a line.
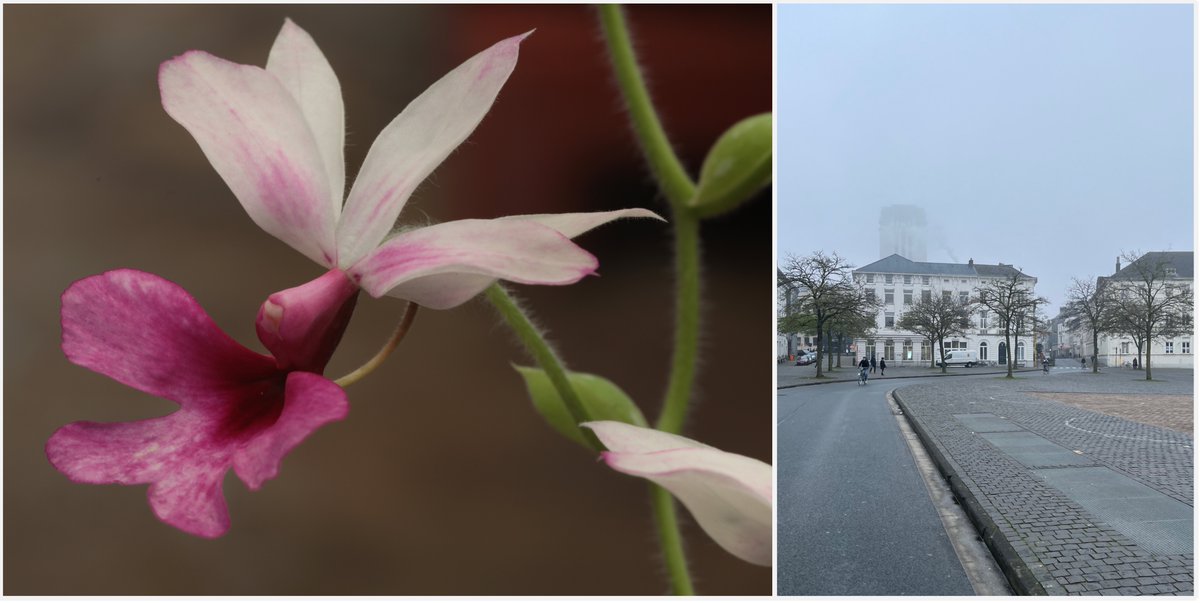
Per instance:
x=1069, y=500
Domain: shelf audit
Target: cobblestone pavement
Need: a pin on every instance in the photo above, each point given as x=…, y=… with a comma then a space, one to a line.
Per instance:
x=1170, y=411
x=1046, y=538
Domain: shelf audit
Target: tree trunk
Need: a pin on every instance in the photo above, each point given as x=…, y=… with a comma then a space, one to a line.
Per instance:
x=1095, y=346
x=829, y=354
x=932, y=358
x=841, y=346
x=820, y=328
x=942, y=352
x=1010, y=352
x=1149, y=346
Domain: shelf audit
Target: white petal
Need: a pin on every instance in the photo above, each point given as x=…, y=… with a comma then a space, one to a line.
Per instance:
x=303, y=70
x=575, y=224
x=256, y=137
x=444, y=265
x=413, y=145
x=730, y=495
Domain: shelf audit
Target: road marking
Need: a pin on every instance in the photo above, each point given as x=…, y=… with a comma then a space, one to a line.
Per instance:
x=981, y=569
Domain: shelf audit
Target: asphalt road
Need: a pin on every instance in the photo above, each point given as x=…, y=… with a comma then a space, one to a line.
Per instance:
x=854, y=516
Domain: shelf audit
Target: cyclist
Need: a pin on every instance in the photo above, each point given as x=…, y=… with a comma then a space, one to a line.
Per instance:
x=863, y=365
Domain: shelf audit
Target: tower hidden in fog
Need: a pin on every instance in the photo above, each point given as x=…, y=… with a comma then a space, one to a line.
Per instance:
x=902, y=231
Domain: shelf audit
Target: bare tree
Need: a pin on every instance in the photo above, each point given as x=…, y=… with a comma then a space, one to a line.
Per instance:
x=1147, y=301
x=1015, y=306
x=824, y=292
x=1088, y=308
x=936, y=319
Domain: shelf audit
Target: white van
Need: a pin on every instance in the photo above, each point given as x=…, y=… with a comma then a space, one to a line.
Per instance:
x=960, y=357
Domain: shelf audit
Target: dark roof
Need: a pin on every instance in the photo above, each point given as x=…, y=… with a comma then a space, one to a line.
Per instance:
x=1181, y=261
x=899, y=264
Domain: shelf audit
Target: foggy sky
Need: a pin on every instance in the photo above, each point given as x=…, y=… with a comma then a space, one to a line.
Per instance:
x=1048, y=137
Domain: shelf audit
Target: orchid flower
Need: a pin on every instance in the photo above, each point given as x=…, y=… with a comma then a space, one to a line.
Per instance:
x=729, y=494
x=276, y=137
x=237, y=408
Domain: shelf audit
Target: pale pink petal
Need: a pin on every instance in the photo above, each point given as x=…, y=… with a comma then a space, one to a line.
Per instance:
x=311, y=401
x=730, y=495
x=302, y=326
x=413, y=145
x=257, y=138
x=303, y=70
x=522, y=252
x=148, y=333
x=574, y=224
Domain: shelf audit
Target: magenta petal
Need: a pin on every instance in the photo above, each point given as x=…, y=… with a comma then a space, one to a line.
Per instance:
x=302, y=326
x=149, y=334
x=465, y=256
x=137, y=452
x=173, y=453
x=190, y=497
x=311, y=401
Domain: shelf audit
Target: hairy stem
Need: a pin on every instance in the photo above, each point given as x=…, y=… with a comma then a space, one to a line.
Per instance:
x=671, y=541
x=687, y=323
x=672, y=179
x=531, y=337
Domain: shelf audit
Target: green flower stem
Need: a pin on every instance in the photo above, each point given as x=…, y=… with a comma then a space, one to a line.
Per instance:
x=672, y=541
x=679, y=189
x=672, y=179
x=541, y=351
x=687, y=322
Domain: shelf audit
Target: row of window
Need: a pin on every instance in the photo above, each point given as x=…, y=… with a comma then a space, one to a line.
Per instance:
x=889, y=296
x=889, y=349
x=1185, y=347
x=908, y=279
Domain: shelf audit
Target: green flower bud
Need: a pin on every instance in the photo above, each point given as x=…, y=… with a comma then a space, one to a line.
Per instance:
x=737, y=167
x=602, y=399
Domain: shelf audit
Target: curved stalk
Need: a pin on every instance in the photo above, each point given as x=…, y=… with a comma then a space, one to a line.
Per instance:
x=410, y=314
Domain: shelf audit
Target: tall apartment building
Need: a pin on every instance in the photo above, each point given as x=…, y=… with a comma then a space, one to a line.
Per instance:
x=899, y=282
x=902, y=231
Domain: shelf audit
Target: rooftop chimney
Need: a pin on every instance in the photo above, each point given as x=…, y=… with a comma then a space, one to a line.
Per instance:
x=971, y=262
x=1118, y=264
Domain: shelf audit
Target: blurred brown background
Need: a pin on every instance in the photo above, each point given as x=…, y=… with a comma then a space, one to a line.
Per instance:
x=443, y=480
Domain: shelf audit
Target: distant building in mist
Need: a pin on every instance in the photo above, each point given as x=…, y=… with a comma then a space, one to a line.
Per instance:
x=902, y=232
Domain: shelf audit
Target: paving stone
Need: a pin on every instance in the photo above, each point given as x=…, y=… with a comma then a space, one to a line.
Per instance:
x=1067, y=548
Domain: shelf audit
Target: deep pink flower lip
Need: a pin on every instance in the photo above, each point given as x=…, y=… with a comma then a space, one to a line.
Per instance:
x=237, y=409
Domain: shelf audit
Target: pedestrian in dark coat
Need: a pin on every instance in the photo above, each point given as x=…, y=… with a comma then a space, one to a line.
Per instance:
x=1083, y=363
x=882, y=366
x=1135, y=362
x=872, y=364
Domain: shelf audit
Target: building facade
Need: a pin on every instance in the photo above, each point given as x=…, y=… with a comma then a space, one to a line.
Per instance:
x=1119, y=350
x=898, y=282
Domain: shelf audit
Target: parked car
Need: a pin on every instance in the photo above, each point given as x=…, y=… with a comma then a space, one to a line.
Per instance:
x=961, y=358
x=805, y=358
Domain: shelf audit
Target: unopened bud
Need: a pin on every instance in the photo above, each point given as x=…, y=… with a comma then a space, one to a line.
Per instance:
x=737, y=167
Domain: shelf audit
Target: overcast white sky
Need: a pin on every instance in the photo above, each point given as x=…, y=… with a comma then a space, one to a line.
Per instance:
x=1048, y=137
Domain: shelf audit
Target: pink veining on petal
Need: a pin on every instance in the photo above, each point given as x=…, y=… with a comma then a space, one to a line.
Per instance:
x=522, y=252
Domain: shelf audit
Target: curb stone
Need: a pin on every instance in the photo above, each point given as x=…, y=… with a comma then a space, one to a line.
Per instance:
x=1024, y=579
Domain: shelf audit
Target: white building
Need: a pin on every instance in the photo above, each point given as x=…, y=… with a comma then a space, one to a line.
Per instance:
x=898, y=282
x=1116, y=350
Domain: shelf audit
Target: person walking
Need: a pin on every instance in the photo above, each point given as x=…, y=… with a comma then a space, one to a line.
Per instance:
x=1083, y=363
x=882, y=366
x=1135, y=362
x=872, y=364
